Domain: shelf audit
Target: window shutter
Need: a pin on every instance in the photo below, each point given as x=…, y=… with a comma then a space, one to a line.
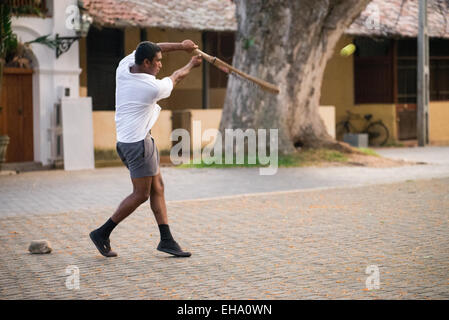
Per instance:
x=373, y=80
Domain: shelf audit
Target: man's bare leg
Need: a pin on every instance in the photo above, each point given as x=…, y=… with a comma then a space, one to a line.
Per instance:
x=141, y=193
x=157, y=200
x=100, y=236
x=159, y=208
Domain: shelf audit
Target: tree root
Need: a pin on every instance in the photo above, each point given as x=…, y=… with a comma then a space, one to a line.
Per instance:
x=342, y=147
x=333, y=145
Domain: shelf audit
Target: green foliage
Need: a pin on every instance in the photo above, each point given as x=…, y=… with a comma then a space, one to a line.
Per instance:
x=369, y=152
x=8, y=40
x=313, y=156
x=164, y=152
x=105, y=154
x=300, y=159
x=9, y=44
x=27, y=10
x=106, y=158
x=246, y=163
x=248, y=43
x=394, y=144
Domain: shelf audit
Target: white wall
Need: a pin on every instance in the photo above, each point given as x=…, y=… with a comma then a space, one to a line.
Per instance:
x=327, y=113
x=77, y=133
x=49, y=72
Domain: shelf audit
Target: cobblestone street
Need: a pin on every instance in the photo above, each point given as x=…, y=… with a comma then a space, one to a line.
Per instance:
x=58, y=191
x=224, y=158
x=285, y=245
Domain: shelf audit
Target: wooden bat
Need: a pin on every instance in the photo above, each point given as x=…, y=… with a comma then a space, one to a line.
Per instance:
x=223, y=66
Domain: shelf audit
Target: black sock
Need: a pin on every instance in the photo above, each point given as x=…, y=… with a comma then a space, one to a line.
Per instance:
x=106, y=229
x=165, y=232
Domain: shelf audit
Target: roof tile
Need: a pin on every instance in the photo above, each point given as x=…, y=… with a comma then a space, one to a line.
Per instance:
x=380, y=18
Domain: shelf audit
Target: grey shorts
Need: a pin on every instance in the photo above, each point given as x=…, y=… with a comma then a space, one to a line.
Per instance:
x=141, y=157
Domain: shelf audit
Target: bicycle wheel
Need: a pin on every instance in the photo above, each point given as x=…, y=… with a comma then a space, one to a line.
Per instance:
x=377, y=134
x=342, y=128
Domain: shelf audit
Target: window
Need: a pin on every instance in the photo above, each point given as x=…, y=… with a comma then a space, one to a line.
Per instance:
x=407, y=80
x=407, y=70
x=439, y=69
x=373, y=71
x=104, y=52
x=220, y=45
x=439, y=79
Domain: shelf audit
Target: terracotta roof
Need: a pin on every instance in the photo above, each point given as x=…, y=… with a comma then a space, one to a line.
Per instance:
x=396, y=17
x=400, y=18
x=217, y=15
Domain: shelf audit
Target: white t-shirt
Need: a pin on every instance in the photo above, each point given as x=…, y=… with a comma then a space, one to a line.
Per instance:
x=136, y=95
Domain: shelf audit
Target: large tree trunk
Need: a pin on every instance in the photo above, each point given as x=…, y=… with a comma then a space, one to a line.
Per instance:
x=288, y=43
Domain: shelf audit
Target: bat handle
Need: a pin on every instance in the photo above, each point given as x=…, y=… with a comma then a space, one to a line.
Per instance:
x=223, y=66
x=204, y=55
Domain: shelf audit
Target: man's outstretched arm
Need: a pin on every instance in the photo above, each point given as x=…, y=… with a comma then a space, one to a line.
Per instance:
x=186, y=45
x=180, y=74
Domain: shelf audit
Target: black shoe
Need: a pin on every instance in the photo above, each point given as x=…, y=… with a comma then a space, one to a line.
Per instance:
x=172, y=247
x=103, y=246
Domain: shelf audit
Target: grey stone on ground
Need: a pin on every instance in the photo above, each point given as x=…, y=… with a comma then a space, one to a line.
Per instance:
x=40, y=246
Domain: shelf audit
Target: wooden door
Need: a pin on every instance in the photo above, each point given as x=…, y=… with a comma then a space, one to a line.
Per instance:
x=16, y=114
x=406, y=115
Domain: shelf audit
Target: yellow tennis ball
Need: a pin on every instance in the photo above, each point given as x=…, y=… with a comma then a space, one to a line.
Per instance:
x=347, y=50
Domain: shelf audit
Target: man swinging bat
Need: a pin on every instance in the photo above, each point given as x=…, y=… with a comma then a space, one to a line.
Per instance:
x=137, y=93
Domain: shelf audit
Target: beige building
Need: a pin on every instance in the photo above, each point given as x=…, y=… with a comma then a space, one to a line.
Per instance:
x=378, y=79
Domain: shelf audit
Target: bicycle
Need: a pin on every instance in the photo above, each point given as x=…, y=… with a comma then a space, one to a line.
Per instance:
x=377, y=131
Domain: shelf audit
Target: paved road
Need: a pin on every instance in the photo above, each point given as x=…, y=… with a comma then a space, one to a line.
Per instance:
x=58, y=191
x=304, y=233
x=294, y=245
x=431, y=155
